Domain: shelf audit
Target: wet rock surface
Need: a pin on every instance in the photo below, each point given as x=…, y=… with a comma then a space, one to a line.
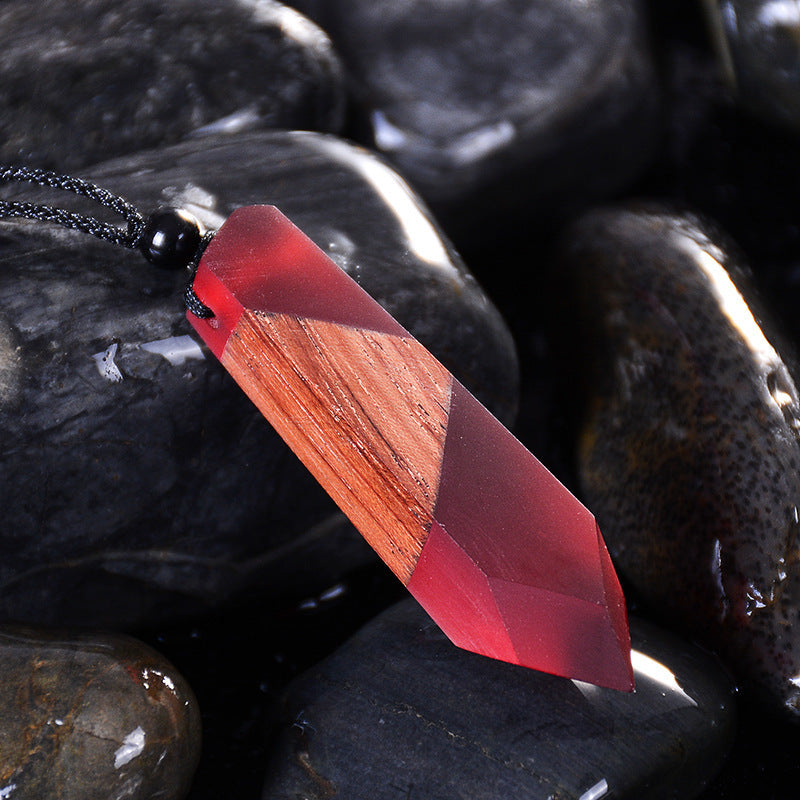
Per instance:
x=398, y=712
x=689, y=455
x=84, y=81
x=91, y=717
x=490, y=107
x=138, y=481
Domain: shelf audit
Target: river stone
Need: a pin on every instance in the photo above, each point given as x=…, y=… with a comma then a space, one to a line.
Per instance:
x=488, y=106
x=758, y=46
x=690, y=455
x=85, y=80
x=92, y=717
x=400, y=712
x=138, y=481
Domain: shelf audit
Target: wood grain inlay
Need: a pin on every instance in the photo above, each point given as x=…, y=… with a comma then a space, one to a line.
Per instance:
x=365, y=411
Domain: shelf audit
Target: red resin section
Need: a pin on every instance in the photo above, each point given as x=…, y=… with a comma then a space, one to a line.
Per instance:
x=260, y=261
x=459, y=598
x=514, y=566
x=528, y=552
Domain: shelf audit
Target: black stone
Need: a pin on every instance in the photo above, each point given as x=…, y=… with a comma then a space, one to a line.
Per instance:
x=690, y=454
x=492, y=109
x=165, y=493
x=85, y=80
x=400, y=712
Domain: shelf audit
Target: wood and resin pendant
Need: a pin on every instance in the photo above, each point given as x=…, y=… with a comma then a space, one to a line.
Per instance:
x=504, y=559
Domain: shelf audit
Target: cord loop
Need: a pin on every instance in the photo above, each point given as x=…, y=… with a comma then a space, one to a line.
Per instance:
x=133, y=236
x=103, y=230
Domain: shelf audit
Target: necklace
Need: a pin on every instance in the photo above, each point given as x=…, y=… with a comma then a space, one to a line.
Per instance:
x=504, y=559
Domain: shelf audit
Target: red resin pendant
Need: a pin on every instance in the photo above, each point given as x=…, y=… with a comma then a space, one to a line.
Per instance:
x=504, y=559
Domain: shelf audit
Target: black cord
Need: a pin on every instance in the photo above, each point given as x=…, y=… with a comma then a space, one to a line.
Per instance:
x=137, y=234
x=128, y=237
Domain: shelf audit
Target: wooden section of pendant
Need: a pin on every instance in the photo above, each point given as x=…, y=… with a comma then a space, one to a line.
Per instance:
x=365, y=411
x=498, y=552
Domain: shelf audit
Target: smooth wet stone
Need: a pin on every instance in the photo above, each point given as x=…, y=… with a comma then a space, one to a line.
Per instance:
x=400, y=712
x=138, y=481
x=689, y=454
x=758, y=46
x=488, y=107
x=92, y=717
x=90, y=79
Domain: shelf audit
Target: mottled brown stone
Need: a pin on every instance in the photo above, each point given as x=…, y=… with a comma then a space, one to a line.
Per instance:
x=92, y=717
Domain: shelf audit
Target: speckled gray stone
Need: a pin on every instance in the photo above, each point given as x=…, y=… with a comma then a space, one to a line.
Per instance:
x=400, y=712
x=690, y=455
x=165, y=492
x=85, y=80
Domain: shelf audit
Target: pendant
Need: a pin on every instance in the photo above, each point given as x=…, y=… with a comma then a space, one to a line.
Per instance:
x=503, y=558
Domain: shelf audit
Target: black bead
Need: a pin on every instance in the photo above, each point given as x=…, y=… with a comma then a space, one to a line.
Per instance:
x=170, y=238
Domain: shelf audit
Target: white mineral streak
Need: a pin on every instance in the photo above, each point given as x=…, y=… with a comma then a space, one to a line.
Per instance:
x=106, y=366
x=176, y=349
x=600, y=789
x=132, y=747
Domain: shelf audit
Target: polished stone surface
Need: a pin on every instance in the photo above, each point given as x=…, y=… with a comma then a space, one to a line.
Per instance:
x=85, y=80
x=92, y=717
x=399, y=712
x=491, y=107
x=689, y=453
x=138, y=481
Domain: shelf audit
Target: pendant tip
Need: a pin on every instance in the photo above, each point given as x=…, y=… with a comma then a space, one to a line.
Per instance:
x=582, y=635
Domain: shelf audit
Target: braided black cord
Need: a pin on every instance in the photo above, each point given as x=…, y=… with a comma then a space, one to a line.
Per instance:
x=131, y=237
x=125, y=238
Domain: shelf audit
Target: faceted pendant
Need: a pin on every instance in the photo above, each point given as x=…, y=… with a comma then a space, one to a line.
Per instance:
x=504, y=559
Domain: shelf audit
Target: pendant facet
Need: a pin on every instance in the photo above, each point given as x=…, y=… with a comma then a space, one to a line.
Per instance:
x=504, y=559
